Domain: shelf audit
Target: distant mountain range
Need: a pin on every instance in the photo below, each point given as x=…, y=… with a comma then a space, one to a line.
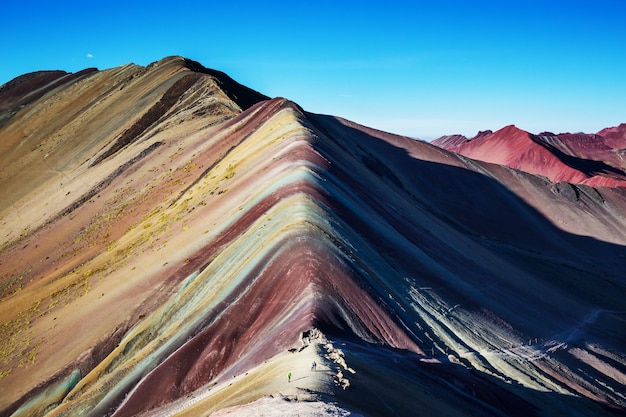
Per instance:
x=593, y=159
x=175, y=243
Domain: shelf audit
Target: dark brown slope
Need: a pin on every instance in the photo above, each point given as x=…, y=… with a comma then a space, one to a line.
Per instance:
x=222, y=246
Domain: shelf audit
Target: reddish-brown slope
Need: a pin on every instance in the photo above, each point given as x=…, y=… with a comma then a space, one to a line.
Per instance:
x=576, y=158
x=615, y=137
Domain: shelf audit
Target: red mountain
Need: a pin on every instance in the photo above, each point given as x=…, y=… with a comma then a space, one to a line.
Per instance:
x=591, y=159
x=615, y=137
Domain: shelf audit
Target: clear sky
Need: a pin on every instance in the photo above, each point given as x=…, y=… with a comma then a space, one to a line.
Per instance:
x=418, y=68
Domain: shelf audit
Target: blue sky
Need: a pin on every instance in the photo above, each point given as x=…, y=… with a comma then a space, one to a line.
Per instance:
x=421, y=69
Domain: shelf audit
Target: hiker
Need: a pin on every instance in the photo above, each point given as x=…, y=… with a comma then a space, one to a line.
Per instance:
x=313, y=366
x=289, y=377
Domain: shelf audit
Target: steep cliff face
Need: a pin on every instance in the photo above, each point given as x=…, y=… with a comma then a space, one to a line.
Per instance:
x=174, y=243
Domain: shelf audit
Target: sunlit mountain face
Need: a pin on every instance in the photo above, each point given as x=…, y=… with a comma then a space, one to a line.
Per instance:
x=597, y=160
x=176, y=244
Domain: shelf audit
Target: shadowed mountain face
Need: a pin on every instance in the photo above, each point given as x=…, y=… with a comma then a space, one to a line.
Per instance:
x=174, y=243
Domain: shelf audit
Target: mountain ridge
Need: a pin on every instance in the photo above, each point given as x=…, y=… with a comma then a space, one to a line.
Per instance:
x=576, y=158
x=222, y=247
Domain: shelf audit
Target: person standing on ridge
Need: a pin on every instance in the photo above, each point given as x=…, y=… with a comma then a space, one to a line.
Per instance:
x=289, y=377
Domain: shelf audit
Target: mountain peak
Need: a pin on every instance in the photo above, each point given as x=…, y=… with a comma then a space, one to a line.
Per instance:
x=176, y=243
x=510, y=130
x=577, y=158
x=482, y=133
x=615, y=137
x=244, y=96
